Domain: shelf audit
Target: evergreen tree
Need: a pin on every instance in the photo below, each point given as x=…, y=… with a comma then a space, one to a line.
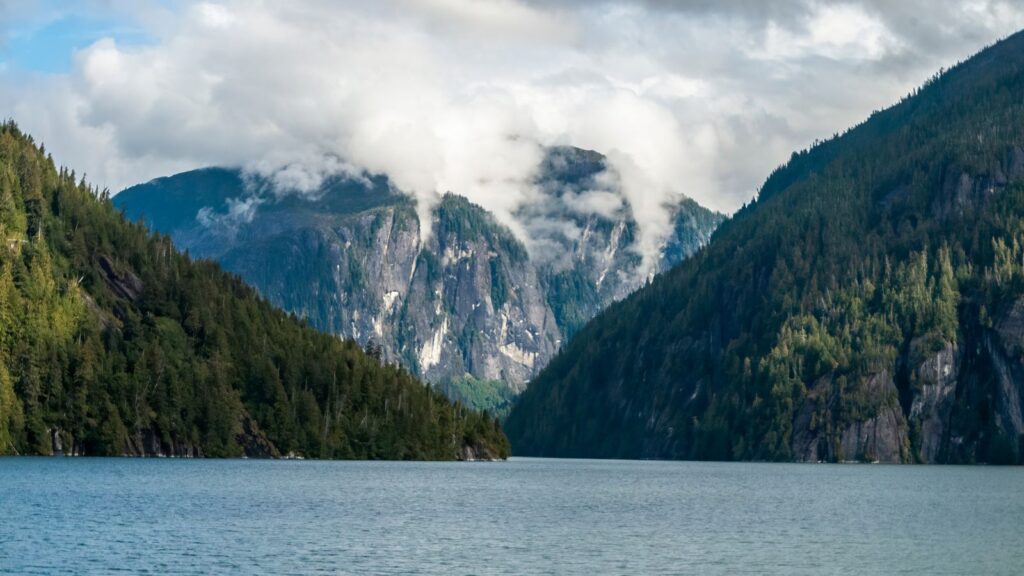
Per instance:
x=113, y=343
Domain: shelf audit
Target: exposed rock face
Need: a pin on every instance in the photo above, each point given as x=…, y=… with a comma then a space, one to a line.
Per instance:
x=945, y=391
x=963, y=191
x=933, y=401
x=252, y=440
x=879, y=437
x=587, y=257
x=144, y=443
x=472, y=299
x=467, y=301
x=982, y=372
x=490, y=318
x=125, y=284
x=1007, y=353
x=476, y=453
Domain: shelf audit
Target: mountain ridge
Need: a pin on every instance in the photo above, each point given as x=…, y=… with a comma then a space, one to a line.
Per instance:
x=863, y=307
x=114, y=343
x=469, y=307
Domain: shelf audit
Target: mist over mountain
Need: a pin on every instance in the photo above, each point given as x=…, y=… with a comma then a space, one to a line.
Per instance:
x=286, y=89
x=474, y=306
x=869, y=305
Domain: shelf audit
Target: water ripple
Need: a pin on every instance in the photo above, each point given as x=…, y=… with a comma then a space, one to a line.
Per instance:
x=524, y=517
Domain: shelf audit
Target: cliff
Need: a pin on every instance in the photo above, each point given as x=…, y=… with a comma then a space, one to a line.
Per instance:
x=473, y=309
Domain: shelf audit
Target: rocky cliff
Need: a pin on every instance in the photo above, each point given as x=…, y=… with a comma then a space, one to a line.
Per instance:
x=472, y=308
x=929, y=413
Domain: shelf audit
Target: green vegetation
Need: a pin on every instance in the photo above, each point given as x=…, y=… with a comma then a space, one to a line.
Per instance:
x=459, y=219
x=170, y=202
x=861, y=258
x=111, y=342
x=492, y=396
x=572, y=297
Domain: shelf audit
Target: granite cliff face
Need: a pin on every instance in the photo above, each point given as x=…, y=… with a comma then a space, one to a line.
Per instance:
x=928, y=413
x=471, y=308
x=585, y=237
x=925, y=401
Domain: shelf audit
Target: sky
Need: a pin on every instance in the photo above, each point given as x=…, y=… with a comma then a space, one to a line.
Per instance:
x=698, y=98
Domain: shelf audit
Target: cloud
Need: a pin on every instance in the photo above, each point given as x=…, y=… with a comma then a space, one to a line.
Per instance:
x=6, y=11
x=698, y=99
x=846, y=32
x=599, y=202
x=240, y=211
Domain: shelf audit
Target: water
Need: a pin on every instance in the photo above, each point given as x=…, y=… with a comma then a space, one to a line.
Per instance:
x=527, y=516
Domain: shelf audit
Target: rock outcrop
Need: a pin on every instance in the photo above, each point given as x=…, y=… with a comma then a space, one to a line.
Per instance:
x=879, y=436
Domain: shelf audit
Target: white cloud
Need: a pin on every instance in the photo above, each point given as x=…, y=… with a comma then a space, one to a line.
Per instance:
x=240, y=211
x=601, y=202
x=835, y=31
x=213, y=15
x=695, y=99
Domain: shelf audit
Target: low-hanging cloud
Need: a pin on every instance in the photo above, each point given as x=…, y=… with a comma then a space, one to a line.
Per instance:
x=698, y=99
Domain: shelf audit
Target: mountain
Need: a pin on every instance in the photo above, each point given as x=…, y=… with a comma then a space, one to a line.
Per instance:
x=869, y=305
x=470, y=308
x=112, y=342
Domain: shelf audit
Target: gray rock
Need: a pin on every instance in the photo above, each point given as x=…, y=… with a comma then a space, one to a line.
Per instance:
x=881, y=437
x=933, y=401
x=470, y=299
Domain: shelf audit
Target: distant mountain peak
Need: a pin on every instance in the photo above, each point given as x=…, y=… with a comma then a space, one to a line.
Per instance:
x=473, y=305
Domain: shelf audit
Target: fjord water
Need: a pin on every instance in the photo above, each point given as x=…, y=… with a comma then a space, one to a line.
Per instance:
x=526, y=516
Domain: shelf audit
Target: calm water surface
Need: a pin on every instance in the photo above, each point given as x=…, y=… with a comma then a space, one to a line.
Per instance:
x=527, y=516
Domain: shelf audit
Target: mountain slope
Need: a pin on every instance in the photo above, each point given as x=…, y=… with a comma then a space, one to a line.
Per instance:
x=470, y=309
x=869, y=305
x=111, y=342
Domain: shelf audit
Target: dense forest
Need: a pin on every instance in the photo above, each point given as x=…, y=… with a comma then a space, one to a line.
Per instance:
x=868, y=305
x=112, y=342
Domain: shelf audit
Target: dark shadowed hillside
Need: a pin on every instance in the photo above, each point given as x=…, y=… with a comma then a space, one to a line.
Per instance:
x=869, y=305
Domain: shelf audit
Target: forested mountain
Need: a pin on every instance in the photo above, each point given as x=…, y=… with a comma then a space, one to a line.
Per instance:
x=470, y=309
x=869, y=305
x=112, y=342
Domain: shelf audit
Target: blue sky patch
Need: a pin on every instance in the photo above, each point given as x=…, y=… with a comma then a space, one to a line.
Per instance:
x=47, y=44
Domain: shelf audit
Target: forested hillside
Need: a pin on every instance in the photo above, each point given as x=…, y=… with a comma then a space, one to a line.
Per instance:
x=112, y=342
x=869, y=305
